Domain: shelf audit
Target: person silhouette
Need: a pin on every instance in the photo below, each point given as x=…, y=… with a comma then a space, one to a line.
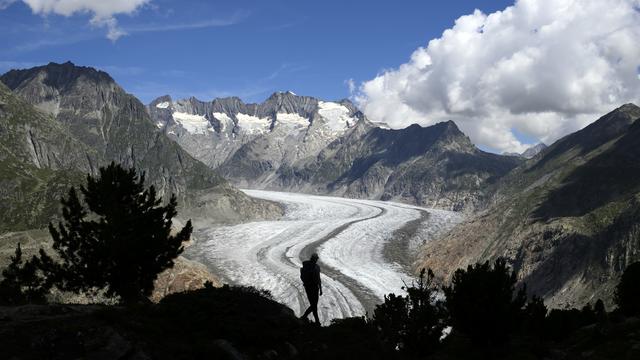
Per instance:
x=310, y=276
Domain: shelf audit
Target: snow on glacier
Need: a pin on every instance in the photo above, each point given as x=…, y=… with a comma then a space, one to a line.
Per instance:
x=358, y=251
x=194, y=124
x=266, y=254
x=225, y=121
x=337, y=116
x=293, y=121
x=163, y=105
x=252, y=124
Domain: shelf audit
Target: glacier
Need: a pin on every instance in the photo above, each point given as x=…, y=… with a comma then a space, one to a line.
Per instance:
x=353, y=238
x=194, y=124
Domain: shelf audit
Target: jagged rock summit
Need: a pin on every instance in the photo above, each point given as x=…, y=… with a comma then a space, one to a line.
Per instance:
x=295, y=126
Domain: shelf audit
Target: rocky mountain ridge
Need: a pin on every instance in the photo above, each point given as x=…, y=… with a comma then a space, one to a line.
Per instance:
x=294, y=126
x=567, y=219
x=299, y=143
x=106, y=124
x=529, y=152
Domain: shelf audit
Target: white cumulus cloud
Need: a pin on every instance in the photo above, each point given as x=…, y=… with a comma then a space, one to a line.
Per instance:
x=541, y=68
x=103, y=11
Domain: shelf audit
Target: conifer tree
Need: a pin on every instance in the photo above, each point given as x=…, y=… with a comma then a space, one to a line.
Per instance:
x=627, y=295
x=412, y=324
x=118, y=238
x=483, y=302
x=22, y=282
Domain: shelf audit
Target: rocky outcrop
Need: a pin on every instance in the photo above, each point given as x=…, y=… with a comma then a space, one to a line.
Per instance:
x=567, y=220
x=185, y=275
x=533, y=151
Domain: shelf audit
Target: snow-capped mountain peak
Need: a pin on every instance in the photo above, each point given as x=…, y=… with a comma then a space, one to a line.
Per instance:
x=212, y=131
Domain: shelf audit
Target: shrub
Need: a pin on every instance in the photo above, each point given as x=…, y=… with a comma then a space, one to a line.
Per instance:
x=412, y=323
x=22, y=283
x=483, y=304
x=535, y=313
x=628, y=290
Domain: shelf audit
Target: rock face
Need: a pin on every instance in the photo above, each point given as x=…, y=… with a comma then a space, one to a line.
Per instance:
x=530, y=152
x=86, y=120
x=299, y=143
x=248, y=143
x=567, y=220
x=97, y=112
x=38, y=161
x=533, y=151
x=436, y=166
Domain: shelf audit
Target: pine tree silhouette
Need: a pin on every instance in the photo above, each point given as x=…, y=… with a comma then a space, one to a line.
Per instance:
x=118, y=239
x=627, y=295
x=22, y=283
x=483, y=302
x=413, y=323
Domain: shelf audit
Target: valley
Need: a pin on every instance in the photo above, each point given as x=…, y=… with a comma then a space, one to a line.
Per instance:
x=425, y=180
x=564, y=216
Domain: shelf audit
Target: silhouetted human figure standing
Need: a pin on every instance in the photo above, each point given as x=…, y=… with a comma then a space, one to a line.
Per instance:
x=310, y=276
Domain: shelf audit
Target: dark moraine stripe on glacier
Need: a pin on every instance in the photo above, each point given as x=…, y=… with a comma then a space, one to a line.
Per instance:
x=363, y=294
x=398, y=250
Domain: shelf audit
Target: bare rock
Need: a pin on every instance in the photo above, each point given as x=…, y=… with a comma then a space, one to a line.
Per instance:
x=185, y=275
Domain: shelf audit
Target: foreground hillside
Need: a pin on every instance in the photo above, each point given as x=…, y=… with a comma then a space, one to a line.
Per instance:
x=567, y=220
x=233, y=323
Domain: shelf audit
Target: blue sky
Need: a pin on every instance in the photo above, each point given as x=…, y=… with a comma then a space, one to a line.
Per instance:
x=244, y=48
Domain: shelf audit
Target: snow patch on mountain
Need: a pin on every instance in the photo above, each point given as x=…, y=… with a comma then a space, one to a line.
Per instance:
x=252, y=124
x=291, y=120
x=163, y=105
x=337, y=116
x=194, y=124
x=225, y=121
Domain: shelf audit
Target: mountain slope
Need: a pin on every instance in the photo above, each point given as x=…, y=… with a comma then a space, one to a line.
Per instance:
x=299, y=143
x=115, y=126
x=38, y=161
x=247, y=143
x=534, y=150
x=568, y=219
x=436, y=166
